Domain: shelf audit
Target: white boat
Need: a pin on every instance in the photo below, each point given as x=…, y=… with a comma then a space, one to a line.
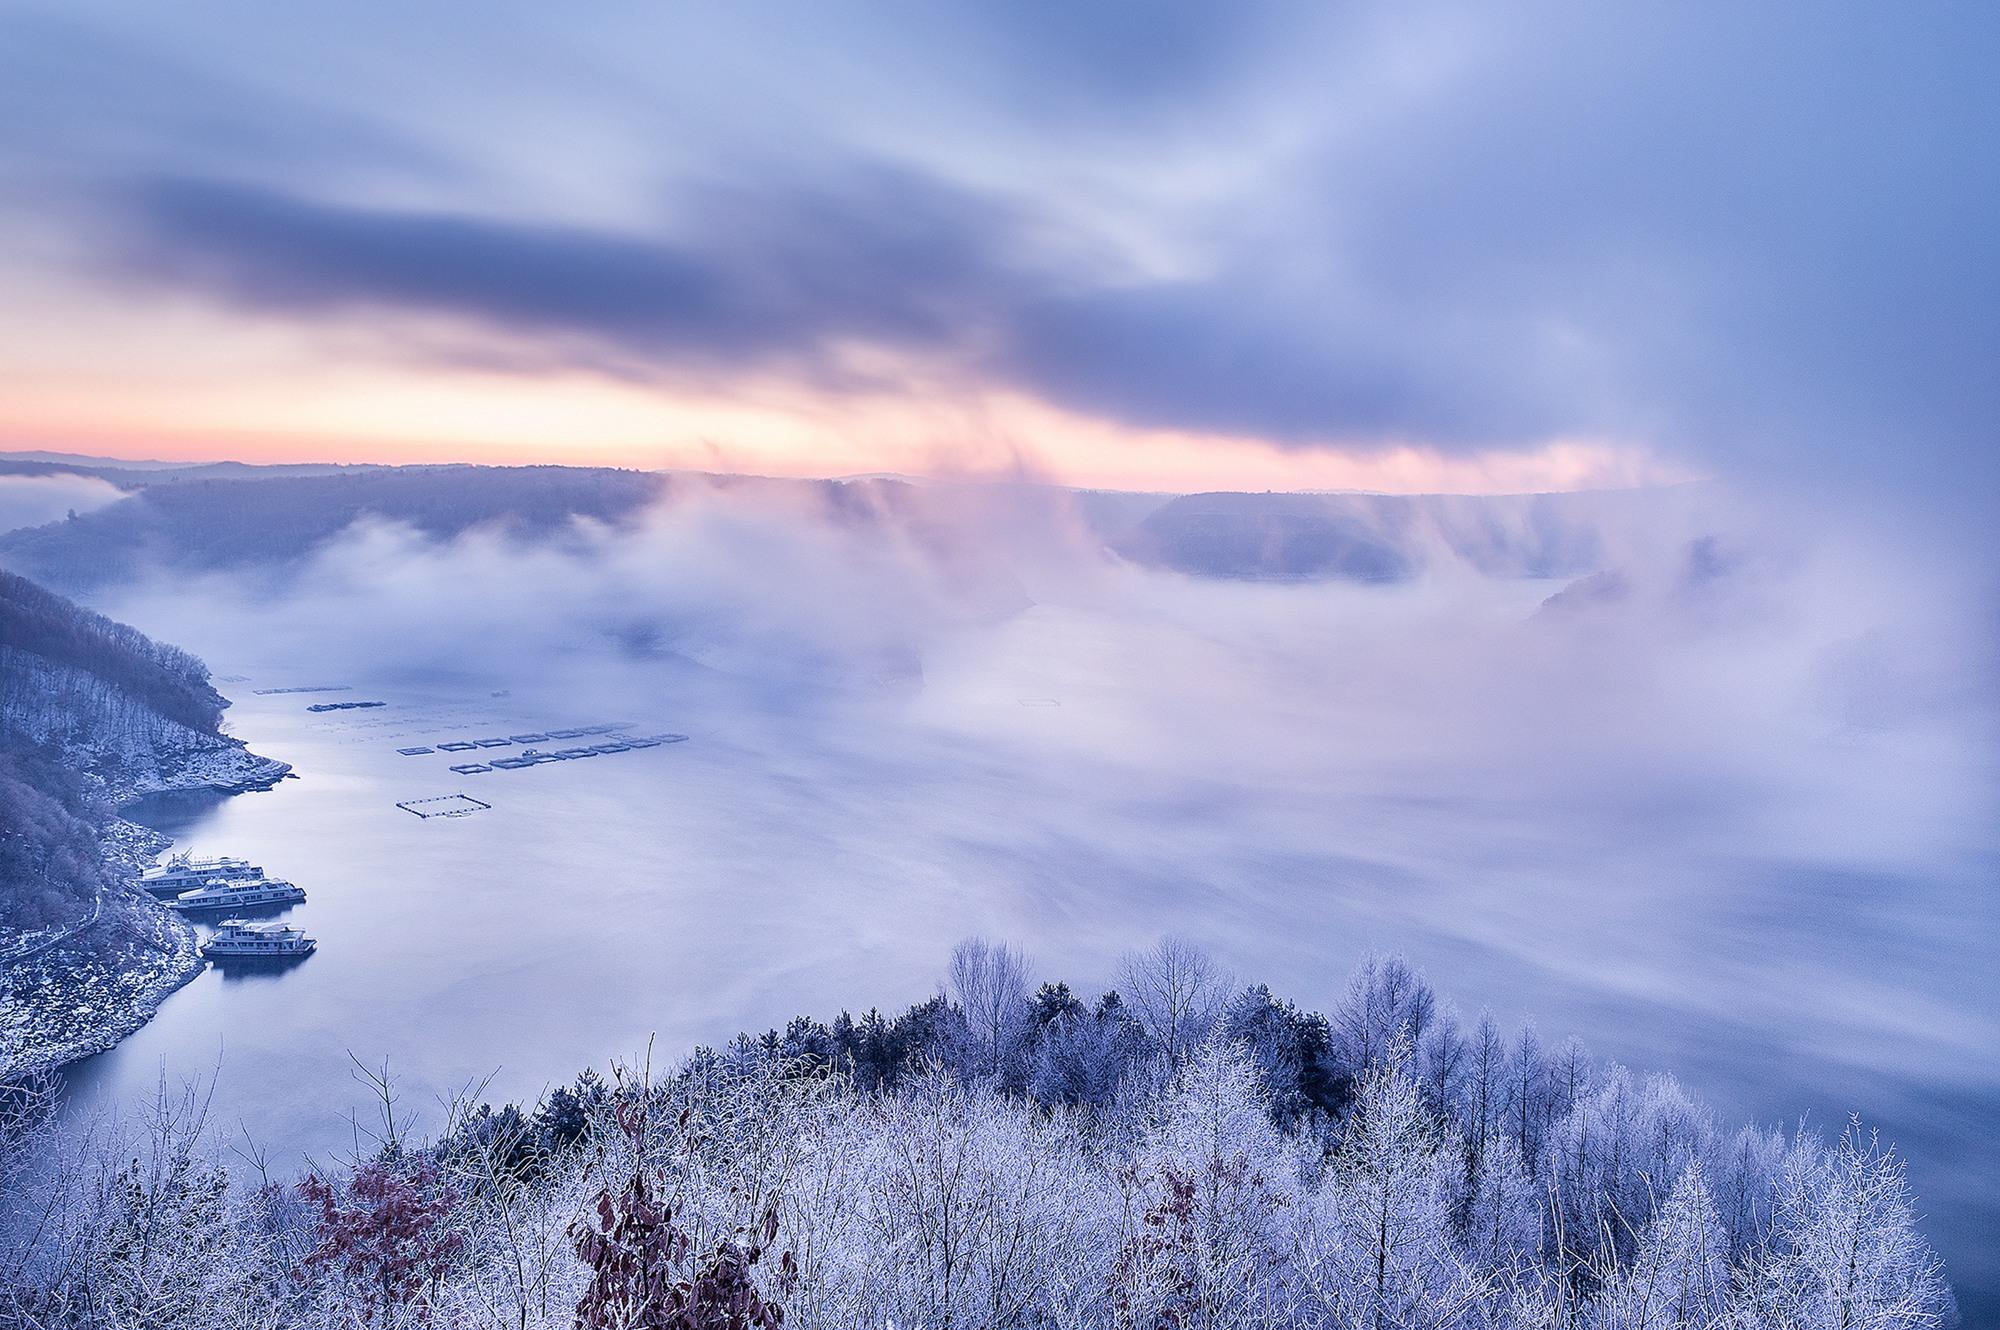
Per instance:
x=258, y=893
x=185, y=872
x=238, y=939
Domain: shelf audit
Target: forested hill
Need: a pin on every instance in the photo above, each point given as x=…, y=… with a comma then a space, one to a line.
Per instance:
x=92, y=712
x=1385, y=537
x=266, y=521
x=37, y=622
x=82, y=700
x=1181, y=1153
x=87, y=706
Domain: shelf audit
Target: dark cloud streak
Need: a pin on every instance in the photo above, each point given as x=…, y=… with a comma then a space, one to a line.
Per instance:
x=1759, y=240
x=779, y=277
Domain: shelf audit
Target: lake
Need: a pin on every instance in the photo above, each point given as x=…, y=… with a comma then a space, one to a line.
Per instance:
x=1080, y=783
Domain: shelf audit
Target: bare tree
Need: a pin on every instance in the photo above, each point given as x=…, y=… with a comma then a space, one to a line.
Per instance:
x=1175, y=993
x=989, y=983
x=1387, y=1003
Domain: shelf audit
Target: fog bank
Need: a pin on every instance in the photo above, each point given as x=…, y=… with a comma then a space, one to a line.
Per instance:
x=33, y=500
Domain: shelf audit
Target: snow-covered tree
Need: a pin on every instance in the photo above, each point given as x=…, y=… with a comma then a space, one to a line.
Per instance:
x=1482, y=1087
x=1528, y=1098
x=1080, y=1056
x=1386, y=1005
x=1503, y=1226
x=1209, y=1189
x=1174, y=992
x=1441, y=1063
x=876, y=1172
x=1376, y=1248
x=990, y=985
x=1845, y=1253
x=1745, y=1168
x=1679, y=1277
x=1289, y=1048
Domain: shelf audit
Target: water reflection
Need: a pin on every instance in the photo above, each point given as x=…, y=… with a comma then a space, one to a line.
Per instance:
x=175, y=813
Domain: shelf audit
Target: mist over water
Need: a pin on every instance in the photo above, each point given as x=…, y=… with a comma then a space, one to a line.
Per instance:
x=1733, y=818
x=33, y=500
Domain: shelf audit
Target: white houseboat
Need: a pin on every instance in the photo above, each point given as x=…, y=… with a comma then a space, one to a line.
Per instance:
x=259, y=893
x=238, y=940
x=185, y=873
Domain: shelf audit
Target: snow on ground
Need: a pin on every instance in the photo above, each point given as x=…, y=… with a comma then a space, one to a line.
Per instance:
x=91, y=990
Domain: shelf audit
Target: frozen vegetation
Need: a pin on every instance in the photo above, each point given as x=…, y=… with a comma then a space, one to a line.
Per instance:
x=1181, y=1152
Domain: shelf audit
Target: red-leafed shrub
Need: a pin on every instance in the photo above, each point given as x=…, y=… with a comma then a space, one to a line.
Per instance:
x=385, y=1236
x=646, y=1272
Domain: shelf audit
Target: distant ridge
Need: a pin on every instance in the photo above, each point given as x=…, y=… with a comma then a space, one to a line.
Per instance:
x=269, y=517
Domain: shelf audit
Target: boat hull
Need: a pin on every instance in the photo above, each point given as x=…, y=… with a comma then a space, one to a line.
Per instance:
x=238, y=956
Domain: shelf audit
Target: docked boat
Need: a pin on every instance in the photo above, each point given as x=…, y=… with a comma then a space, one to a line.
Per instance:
x=262, y=893
x=238, y=939
x=185, y=873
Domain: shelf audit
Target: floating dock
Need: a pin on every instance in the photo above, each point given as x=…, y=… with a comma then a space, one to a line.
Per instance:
x=532, y=757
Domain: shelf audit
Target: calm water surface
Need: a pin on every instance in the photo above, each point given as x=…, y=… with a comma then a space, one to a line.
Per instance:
x=805, y=854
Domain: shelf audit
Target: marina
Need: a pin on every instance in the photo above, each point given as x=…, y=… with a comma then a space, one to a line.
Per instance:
x=344, y=706
x=204, y=884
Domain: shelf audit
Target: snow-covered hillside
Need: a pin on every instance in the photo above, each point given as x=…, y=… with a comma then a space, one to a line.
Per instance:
x=92, y=715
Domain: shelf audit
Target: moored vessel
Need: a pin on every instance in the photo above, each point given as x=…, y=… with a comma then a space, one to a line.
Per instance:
x=238, y=939
x=186, y=872
x=253, y=894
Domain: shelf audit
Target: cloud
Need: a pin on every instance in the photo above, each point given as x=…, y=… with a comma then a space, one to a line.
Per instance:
x=1754, y=242
x=87, y=103
x=785, y=277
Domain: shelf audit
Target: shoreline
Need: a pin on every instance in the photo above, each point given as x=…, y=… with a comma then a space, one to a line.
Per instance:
x=88, y=991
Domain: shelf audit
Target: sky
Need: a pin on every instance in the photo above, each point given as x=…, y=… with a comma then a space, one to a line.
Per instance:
x=1249, y=246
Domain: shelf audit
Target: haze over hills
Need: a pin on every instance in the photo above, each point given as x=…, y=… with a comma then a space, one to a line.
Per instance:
x=179, y=522
x=1385, y=537
x=227, y=516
